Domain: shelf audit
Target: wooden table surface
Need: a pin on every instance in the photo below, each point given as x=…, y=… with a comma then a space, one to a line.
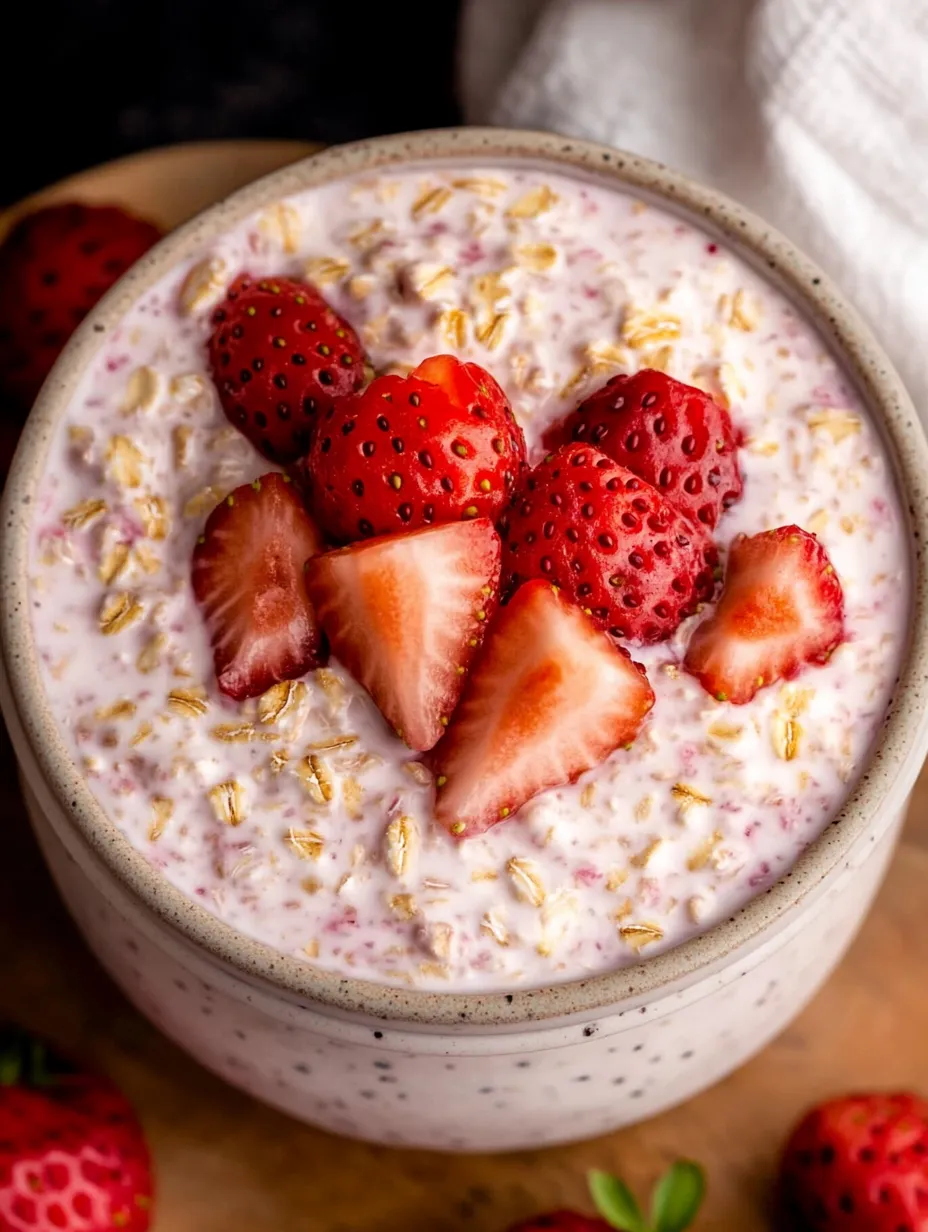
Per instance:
x=227, y=1164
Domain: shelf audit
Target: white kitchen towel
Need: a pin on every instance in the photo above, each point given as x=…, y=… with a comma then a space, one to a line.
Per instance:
x=812, y=112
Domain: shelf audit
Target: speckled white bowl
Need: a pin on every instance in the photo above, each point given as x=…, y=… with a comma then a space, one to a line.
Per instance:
x=455, y=1071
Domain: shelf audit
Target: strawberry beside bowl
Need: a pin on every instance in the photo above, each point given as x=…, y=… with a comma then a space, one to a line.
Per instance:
x=578, y=931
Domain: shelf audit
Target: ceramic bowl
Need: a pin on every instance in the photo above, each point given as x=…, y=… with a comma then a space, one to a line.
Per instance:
x=471, y=1071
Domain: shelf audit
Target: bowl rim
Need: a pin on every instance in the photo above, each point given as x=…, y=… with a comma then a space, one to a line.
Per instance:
x=887, y=777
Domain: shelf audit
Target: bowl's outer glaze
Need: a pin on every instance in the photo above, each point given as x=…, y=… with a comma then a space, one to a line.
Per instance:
x=868, y=815
x=466, y=1088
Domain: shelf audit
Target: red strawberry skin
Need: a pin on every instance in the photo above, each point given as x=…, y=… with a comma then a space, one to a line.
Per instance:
x=436, y=446
x=609, y=540
x=549, y=697
x=406, y=615
x=55, y=264
x=279, y=357
x=782, y=607
x=248, y=579
x=859, y=1164
x=72, y=1153
x=561, y=1221
x=467, y=384
x=673, y=435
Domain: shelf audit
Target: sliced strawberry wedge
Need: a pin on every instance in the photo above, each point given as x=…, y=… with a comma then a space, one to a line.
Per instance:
x=248, y=579
x=549, y=697
x=782, y=607
x=406, y=613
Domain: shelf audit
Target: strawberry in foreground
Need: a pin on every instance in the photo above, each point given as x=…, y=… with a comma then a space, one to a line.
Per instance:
x=248, y=579
x=436, y=446
x=859, y=1164
x=279, y=356
x=672, y=435
x=782, y=607
x=548, y=698
x=406, y=614
x=72, y=1154
x=55, y=264
x=610, y=540
x=675, y=1203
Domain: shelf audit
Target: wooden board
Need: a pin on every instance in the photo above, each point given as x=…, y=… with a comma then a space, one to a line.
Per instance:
x=225, y=1162
x=171, y=185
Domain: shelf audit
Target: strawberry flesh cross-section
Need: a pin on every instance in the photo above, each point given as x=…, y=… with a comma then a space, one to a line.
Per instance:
x=406, y=614
x=782, y=607
x=248, y=580
x=549, y=697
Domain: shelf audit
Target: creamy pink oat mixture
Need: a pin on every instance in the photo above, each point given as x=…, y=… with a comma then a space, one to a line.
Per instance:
x=298, y=818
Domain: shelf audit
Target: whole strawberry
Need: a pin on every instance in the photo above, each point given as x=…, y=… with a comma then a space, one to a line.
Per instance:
x=55, y=264
x=437, y=446
x=279, y=356
x=72, y=1154
x=675, y=1203
x=673, y=435
x=609, y=540
x=860, y=1164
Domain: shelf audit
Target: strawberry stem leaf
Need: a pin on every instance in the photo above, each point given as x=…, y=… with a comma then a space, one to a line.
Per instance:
x=677, y=1197
x=39, y=1073
x=10, y=1069
x=616, y=1203
x=14, y=1055
x=25, y=1061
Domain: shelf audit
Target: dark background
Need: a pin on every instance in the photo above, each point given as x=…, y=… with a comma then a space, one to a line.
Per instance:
x=84, y=82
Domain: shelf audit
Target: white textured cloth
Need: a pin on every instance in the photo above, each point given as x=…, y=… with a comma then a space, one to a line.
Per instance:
x=814, y=113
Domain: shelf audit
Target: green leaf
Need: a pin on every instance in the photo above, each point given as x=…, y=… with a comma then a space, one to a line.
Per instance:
x=677, y=1197
x=10, y=1069
x=12, y=1050
x=39, y=1072
x=616, y=1202
x=27, y=1061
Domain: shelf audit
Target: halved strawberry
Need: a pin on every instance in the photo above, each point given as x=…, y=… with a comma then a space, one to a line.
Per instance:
x=435, y=446
x=631, y=560
x=782, y=607
x=248, y=579
x=406, y=614
x=280, y=355
x=549, y=698
x=671, y=434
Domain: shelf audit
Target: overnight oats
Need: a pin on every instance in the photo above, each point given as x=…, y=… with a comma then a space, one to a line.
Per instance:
x=468, y=579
